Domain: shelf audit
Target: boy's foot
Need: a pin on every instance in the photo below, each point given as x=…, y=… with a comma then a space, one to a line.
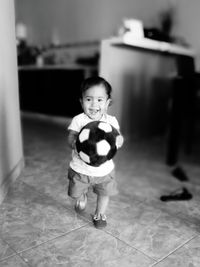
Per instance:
x=99, y=221
x=81, y=203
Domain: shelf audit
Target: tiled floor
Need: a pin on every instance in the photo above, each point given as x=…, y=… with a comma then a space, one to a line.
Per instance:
x=39, y=227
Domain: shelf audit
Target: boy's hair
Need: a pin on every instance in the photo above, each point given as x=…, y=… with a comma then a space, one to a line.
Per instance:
x=93, y=81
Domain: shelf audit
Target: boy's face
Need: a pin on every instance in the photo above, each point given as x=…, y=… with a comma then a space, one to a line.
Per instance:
x=95, y=102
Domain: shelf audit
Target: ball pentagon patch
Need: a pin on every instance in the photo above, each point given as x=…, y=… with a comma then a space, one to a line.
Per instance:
x=103, y=148
x=96, y=143
x=84, y=135
x=105, y=127
x=84, y=157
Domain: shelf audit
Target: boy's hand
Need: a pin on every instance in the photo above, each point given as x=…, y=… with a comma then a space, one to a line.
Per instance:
x=72, y=135
x=119, y=141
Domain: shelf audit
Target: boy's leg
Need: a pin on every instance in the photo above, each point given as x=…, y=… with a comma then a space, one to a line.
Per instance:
x=102, y=204
x=104, y=188
x=81, y=203
x=99, y=219
x=78, y=187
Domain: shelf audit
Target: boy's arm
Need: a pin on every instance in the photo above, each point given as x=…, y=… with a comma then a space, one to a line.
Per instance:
x=119, y=141
x=72, y=135
x=120, y=138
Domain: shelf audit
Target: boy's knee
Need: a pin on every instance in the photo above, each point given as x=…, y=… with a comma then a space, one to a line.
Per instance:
x=76, y=189
x=106, y=189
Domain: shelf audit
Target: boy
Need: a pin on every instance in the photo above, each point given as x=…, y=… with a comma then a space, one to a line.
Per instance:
x=95, y=99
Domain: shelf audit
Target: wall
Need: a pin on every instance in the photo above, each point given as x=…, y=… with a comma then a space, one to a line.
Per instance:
x=68, y=21
x=82, y=20
x=11, y=153
x=188, y=25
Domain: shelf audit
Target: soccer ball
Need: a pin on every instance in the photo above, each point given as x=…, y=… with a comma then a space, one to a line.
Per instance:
x=96, y=143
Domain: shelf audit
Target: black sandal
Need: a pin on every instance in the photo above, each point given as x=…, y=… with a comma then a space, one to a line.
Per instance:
x=174, y=196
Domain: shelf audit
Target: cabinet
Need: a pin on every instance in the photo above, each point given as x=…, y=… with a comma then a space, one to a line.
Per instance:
x=50, y=90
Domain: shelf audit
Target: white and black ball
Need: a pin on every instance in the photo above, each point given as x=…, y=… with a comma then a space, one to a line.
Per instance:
x=96, y=143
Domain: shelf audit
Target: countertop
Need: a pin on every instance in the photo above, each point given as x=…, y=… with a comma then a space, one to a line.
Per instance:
x=146, y=43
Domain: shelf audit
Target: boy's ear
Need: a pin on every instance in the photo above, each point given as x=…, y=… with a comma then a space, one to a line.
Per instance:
x=109, y=102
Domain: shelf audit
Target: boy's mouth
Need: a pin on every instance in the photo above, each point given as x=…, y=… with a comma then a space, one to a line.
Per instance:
x=94, y=111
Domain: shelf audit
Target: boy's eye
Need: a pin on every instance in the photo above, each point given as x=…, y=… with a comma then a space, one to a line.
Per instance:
x=100, y=100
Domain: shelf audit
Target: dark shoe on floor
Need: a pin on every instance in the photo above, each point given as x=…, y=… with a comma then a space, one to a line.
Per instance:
x=81, y=203
x=99, y=221
x=180, y=174
x=184, y=194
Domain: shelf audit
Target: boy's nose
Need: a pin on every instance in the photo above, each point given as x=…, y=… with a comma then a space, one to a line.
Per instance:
x=94, y=102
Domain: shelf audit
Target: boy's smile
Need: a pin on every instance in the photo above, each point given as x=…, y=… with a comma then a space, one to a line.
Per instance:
x=95, y=102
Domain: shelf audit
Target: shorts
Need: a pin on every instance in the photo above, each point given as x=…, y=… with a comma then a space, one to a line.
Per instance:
x=79, y=184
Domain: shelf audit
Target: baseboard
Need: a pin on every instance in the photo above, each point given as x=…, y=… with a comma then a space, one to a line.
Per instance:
x=46, y=117
x=10, y=179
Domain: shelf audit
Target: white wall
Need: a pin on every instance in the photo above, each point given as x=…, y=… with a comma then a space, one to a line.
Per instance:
x=188, y=24
x=83, y=20
x=11, y=154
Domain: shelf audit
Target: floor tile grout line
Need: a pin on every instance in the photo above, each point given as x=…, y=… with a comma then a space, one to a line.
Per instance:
x=171, y=214
x=131, y=246
x=10, y=247
x=87, y=222
x=141, y=201
x=50, y=240
x=187, y=220
x=49, y=196
x=180, y=246
x=161, y=209
x=13, y=255
x=156, y=261
x=24, y=260
x=60, y=204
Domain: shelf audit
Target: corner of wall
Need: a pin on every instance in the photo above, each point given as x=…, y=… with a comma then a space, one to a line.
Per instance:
x=10, y=179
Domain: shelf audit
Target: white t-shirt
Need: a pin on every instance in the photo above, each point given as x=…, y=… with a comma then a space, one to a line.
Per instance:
x=77, y=123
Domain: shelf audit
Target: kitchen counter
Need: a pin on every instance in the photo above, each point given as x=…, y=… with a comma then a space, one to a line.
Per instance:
x=141, y=73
